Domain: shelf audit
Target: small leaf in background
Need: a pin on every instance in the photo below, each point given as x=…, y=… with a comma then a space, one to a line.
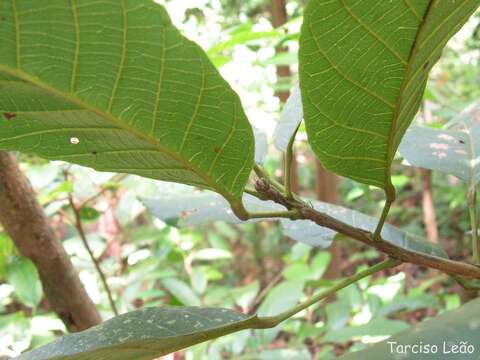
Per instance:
x=143, y=334
x=23, y=276
x=363, y=69
x=284, y=354
x=15, y=334
x=245, y=295
x=242, y=36
x=198, y=280
x=454, y=150
x=320, y=264
x=297, y=272
x=289, y=291
x=89, y=214
x=7, y=250
x=62, y=188
x=292, y=116
x=450, y=328
x=181, y=291
x=337, y=314
x=212, y=254
x=375, y=328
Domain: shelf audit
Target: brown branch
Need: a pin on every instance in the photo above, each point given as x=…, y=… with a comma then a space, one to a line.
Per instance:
x=25, y=222
x=308, y=213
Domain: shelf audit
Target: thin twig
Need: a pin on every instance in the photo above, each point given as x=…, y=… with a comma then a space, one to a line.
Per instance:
x=116, y=178
x=271, y=321
x=266, y=289
x=81, y=232
x=390, y=193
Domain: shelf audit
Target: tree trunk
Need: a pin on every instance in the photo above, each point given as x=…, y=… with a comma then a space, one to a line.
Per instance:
x=280, y=17
x=429, y=216
x=25, y=222
x=326, y=188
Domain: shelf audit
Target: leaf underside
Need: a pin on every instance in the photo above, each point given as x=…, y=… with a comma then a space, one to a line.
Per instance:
x=363, y=69
x=114, y=86
x=290, y=119
x=455, y=150
x=143, y=334
x=194, y=209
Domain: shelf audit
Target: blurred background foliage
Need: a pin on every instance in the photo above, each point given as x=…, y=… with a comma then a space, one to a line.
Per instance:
x=250, y=267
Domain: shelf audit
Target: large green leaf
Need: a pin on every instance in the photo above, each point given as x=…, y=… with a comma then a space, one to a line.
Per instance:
x=363, y=69
x=113, y=85
x=144, y=334
x=459, y=328
x=455, y=150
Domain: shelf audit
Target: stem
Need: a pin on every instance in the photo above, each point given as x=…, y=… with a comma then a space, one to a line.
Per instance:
x=288, y=214
x=288, y=165
x=83, y=237
x=272, y=321
x=390, y=192
x=472, y=207
x=253, y=193
x=262, y=174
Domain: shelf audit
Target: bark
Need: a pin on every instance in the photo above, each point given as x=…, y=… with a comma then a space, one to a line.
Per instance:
x=326, y=189
x=429, y=217
x=25, y=222
x=279, y=17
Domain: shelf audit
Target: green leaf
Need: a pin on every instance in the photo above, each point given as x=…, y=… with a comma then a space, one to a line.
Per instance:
x=144, y=334
x=455, y=150
x=23, y=276
x=7, y=250
x=181, y=291
x=116, y=87
x=212, y=254
x=246, y=36
x=89, y=213
x=363, y=69
x=448, y=329
x=193, y=209
x=376, y=327
x=282, y=354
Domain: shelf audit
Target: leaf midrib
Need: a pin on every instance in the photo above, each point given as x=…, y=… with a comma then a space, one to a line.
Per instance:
x=397, y=111
x=68, y=97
